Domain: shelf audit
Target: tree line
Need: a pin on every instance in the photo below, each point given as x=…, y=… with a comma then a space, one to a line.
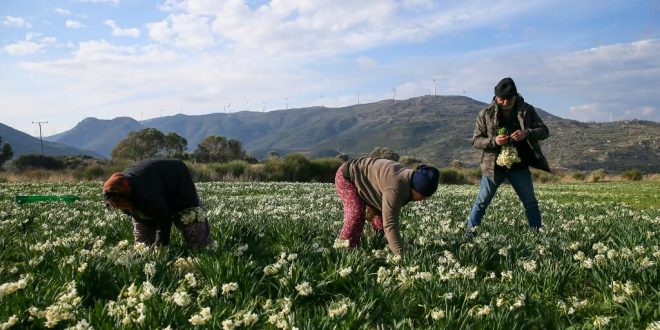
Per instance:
x=150, y=143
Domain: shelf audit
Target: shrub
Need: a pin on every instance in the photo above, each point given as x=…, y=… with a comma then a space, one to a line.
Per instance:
x=324, y=169
x=201, y=172
x=577, y=176
x=92, y=172
x=451, y=176
x=632, y=175
x=597, y=175
x=472, y=174
x=24, y=162
x=410, y=161
x=230, y=170
x=297, y=168
x=543, y=177
x=385, y=153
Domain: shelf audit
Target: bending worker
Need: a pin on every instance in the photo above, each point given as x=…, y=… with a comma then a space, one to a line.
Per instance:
x=158, y=193
x=385, y=186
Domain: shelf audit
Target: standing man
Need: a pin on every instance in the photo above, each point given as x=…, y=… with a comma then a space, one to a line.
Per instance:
x=385, y=186
x=522, y=128
x=158, y=193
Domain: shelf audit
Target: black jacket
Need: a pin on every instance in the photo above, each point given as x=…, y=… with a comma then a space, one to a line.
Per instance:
x=161, y=189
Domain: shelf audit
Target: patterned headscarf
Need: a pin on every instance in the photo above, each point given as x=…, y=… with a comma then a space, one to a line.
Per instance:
x=117, y=192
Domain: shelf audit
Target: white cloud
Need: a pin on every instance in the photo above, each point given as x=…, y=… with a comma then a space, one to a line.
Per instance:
x=122, y=32
x=648, y=111
x=115, y=2
x=588, y=112
x=30, y=45
x=71, y=24
x=13, y=21
x=62, y=11
x=303, y=28
x=183, y=31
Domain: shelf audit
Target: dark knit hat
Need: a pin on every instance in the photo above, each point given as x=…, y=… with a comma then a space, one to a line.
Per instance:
x=425, y=180
x=506, y=88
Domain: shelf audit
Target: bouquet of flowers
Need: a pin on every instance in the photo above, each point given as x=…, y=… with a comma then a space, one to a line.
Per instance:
x=508, y=155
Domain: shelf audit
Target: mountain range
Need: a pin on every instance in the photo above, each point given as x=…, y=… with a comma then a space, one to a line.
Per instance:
x=23, y=143
x=436, y=129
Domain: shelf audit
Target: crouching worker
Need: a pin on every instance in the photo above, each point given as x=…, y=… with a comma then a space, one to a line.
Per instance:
x=158, y=193
x=384, y=186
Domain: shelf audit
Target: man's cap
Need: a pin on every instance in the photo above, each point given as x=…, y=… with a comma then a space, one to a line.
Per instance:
x=506, y=88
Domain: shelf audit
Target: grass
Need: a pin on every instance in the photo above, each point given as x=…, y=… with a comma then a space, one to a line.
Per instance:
x=593, y=265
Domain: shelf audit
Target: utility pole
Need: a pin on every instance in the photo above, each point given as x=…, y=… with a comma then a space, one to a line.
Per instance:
x=434, y=90
x=40, y=138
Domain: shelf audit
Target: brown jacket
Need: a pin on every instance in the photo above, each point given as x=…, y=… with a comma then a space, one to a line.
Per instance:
x=385, y=186
x=485, y=131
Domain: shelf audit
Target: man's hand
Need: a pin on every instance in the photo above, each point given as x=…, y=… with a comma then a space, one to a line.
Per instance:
x=501, y=140
x=519, y=135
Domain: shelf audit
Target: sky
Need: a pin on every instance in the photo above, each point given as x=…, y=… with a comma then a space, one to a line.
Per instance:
x=62, y=61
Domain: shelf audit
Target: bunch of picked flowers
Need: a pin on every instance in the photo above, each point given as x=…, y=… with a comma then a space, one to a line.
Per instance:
x=508, y=155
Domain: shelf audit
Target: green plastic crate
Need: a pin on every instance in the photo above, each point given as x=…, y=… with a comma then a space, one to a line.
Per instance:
x=23, y=199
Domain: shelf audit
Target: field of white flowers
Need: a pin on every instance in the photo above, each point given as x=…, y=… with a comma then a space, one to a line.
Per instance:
x=274, y=263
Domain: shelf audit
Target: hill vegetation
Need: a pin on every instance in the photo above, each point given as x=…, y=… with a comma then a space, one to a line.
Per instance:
x=434, y=129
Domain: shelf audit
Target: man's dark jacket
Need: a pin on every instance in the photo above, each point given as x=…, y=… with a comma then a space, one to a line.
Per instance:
x=485, y=131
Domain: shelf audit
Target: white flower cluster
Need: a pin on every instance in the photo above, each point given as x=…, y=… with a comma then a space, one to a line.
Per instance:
x=344, y=272
x=202, y=317
x=502, y=302
x=601, y=321
x=341, y=244
x=508, y=156
x=229, y=288
x=653, y=326
x=401, y=277
x=64, y=308
x=437, y=314
x=246, y=319
x=573, y=305
x=125, y=254
x=622, y=291
x=9, y=323
x=279, y=313
x=129, y=308
x=192, y=215
x=529, y=265
x=339, y=308
x=480, y=311
x=185, y=265
x=11, y=287
x=150, y=269
x=282, y=261
x=304, y=288
x=240, y=250
x=450, y=268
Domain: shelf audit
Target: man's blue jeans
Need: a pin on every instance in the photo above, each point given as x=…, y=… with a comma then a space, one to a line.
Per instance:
x=521, y=181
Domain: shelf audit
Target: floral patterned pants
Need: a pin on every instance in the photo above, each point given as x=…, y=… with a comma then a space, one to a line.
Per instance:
x=192, y=223
x=354, y=211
